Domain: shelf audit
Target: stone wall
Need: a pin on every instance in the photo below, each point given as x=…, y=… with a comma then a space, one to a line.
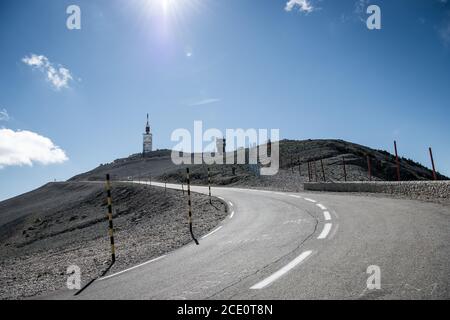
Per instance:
x=414, y=189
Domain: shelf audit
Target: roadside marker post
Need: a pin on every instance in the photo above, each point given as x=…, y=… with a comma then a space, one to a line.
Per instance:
x=315, y=170
x=309, y=171
x=299, y=167
x=432, y=163
x=111, y=237
x=345, y=170
x=209, y=185
x=110, y=218
x=190, y=206
x=396, y=161
x=323, y=171
x=182, y=187
x=369, y=168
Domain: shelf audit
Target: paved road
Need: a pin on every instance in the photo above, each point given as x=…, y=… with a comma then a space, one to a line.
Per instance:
x=300, y=246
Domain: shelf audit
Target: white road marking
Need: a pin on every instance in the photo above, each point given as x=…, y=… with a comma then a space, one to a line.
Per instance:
x=232, y=214
x=310, y=200
x=221, y=198
x=333, y=233
x=230, y=203
x=321, y=206
x=279, y=193
x=325, y=231
x=295, y=196
x=282, y=271
x=214, y=231
x=139, y=265
x=327, y=216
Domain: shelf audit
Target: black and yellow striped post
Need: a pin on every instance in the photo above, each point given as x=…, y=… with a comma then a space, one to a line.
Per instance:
x=190, y=206
x=209, y=185
x=110, y=219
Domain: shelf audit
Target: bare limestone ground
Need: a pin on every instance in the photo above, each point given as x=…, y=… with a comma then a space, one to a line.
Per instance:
x=40, y=238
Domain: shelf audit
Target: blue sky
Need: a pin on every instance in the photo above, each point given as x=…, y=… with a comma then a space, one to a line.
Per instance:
x=314, y=71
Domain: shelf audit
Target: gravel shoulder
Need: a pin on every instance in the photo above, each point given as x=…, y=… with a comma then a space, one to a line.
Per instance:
x=70, y=228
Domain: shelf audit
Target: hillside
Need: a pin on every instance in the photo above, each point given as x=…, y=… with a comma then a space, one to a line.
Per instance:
x=294, y=158
x=60, y=224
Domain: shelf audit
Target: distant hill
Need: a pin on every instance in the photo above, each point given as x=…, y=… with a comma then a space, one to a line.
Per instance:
x=294, y=158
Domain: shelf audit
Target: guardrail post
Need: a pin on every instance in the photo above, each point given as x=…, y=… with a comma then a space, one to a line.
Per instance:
x=396, y=161
x=345, y=170
x=432, y=163
x=110, y=219
x=190, y=206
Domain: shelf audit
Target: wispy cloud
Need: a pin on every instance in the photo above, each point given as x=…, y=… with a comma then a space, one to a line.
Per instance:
x=19, y=148
x=4, y=116
x=203, y=102
x=303, y=6
x=58, y=76
x=360, y=9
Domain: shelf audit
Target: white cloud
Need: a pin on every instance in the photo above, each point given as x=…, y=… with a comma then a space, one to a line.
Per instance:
x=4, y=116
x=58, y=76
x=204, y=102
x=19, y=148
x=303, y=5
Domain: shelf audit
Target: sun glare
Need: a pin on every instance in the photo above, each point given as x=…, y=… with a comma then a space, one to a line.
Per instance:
x=169, y=8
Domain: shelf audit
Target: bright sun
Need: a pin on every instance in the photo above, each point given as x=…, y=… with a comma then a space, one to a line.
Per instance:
x=167, y=7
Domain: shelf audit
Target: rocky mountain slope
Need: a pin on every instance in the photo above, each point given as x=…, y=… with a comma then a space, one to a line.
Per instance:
x=294, y=158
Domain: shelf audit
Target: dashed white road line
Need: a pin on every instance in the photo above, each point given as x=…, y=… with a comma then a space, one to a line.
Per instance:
x=295, y=196
x=214, y=231
x=282, y=271
x=310, y=200
x=333, y=233
x=129, y=269
x=230, y=203
x=321, y=206
x=327, y=215
x=325, y=231
x=232, y=214
x=221, y=198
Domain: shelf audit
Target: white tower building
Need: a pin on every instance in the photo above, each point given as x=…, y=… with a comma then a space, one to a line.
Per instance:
x=148, y=139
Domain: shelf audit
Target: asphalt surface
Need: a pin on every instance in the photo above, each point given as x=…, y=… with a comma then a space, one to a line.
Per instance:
x=277, y=245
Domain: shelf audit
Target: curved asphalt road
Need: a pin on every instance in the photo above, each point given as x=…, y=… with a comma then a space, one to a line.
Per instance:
x=285, y=246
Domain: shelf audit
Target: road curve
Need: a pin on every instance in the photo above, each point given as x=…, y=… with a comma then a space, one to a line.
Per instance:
x=278, y=245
